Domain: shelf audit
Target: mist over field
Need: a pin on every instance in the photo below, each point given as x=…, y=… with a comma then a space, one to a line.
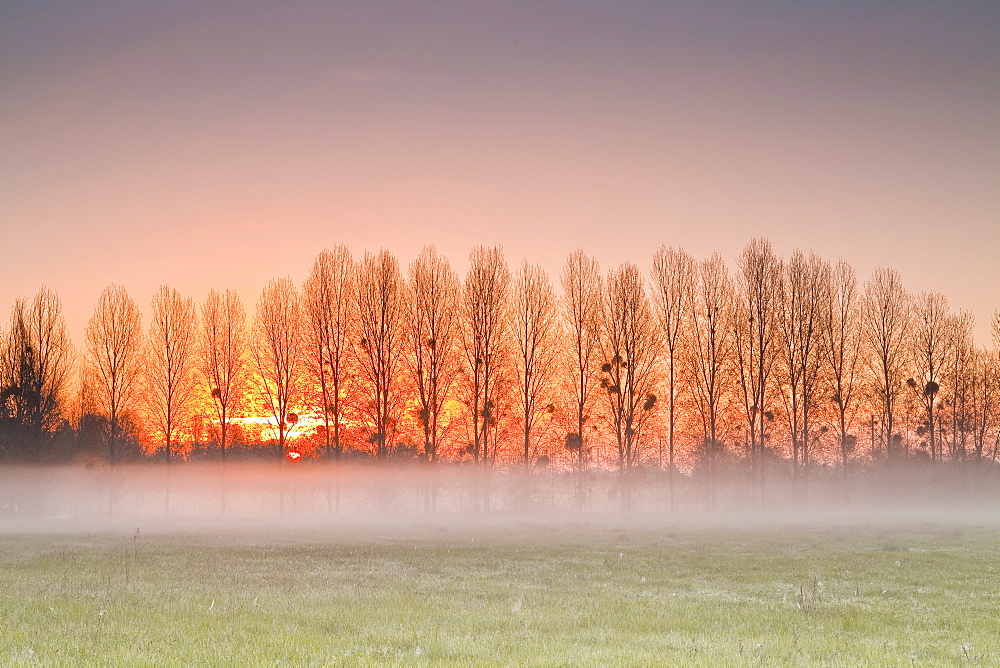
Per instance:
x=312, y=564
x=417, y=500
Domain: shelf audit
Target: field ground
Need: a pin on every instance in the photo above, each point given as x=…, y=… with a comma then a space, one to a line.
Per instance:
x=593, y=590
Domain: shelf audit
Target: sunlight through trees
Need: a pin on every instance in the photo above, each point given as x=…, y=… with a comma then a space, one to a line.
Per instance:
x=777, y=372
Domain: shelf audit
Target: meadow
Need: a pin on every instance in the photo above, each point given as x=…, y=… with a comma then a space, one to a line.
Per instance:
x=514, y=590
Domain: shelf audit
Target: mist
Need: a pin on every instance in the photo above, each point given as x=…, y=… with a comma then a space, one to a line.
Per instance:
x=414, y=500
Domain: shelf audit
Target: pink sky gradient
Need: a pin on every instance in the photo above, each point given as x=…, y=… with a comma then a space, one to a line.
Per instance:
x=206, y=144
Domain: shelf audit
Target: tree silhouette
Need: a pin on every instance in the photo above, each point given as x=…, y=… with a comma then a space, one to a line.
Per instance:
x=930, y=350
x=758, y=302
x=803, y=297
x=434, y=293
x=381, y=307
x=330, y=306
x=630, y=350
x=842, y=343
x=224, y=356
x=711, y=361
x=674, y=276
x=170, y=358
x=277, y=353
x=536, y=335
x=582, y=298
x=486, y=343
x=887, y=322
x=35, y=359
x=114, y=356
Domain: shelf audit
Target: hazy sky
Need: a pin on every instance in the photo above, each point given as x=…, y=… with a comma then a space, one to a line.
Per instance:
x=207, y=144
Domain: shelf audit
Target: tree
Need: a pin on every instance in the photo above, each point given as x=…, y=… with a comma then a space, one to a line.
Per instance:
x=842, y=342
x=986, y=402
x=434, y=290
x=886, y=321
x=114, y=357
x=34, y=371
x=930, y=351
x=804, y=297
x=486, y=343
x=958, y=369
x=330, y=306
x=630, y=352
x=536, y=335
x=223, y=347
x=172, y=347
x=582, y=298
x=984, y=418
x=381, y=307
x=710, y=362
x=674, y=274
x=757, y=345
x=277, y=353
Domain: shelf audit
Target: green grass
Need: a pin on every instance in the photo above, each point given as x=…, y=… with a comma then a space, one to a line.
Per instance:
x=548, y=594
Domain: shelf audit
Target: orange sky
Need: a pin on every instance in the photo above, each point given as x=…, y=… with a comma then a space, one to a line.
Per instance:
x=207, y=144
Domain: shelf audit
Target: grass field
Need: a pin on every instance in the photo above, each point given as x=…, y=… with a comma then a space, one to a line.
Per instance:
x=556, y=592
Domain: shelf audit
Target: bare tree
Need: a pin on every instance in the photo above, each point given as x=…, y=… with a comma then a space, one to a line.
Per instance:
x=277, y=354
x=842, y=342
x=114, y=356
x=675, y=274
x=582, y=298
x=886, y=320
x=34, y=371
x=710, y=362
x=988, y=398
x=170, y=363
x=434, y=289
x=929, y=350
x=984, y=416
x=330, y=306
x=223, y=360
x=630, y=352
x=536, y=333
x=757, y=346
x=381, y=308
x=486, y=343
x=957, y=368
x=804, y=296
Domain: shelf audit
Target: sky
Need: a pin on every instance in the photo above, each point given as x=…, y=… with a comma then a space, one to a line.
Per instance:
x=222, y=144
